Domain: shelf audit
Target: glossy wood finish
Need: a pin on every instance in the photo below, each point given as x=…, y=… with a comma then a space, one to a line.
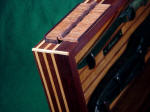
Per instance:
x=62, y=85
x=90, y=37
x=91, y=78
x=75, y=24
x=67, y=88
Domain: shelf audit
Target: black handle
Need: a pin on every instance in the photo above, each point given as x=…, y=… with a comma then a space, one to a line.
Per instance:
x=127, y=15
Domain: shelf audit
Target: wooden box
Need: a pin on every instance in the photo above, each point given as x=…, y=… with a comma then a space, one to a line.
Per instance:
x=68, y=88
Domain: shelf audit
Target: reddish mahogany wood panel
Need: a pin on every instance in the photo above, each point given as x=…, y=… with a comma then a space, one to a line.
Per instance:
x=71, y=83
x=56, y=81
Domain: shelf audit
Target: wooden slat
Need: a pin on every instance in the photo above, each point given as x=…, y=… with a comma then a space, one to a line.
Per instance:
x=68, y=22
x=99, y=75
x=91, y=37
x=77, y=22
x=86, y=79
x=83, y=51
x=86, y=23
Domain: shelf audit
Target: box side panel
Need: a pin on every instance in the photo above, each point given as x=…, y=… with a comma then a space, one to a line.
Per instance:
x=60, y=78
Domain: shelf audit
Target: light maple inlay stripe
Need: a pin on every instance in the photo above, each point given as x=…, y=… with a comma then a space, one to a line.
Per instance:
x=44, y=81
x=50, y=51
x=41, y=44
x=59, y=81
x=51, y=79
x=52, y=82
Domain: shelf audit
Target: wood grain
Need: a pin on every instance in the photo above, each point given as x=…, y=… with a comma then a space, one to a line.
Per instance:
x=88, y=76
x=77, y=22
x=68, y=89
